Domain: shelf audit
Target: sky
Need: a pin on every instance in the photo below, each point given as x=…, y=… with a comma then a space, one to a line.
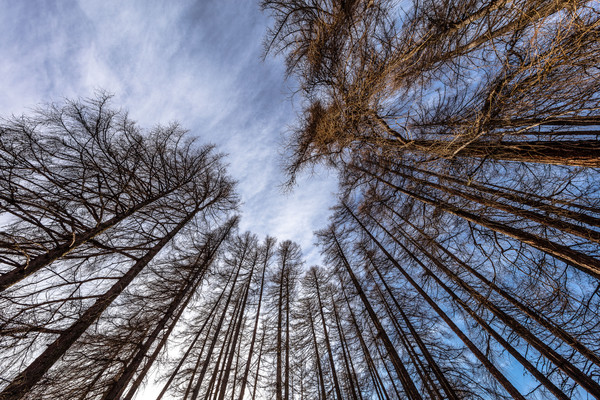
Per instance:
x=196, y=62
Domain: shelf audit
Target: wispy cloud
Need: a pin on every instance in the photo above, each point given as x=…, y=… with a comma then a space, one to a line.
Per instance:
x=198, y=63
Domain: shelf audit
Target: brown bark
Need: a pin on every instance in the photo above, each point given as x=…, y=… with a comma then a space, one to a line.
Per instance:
x=409, y=386
x=336, y=383
x=578, y=153
x=580, y=261
x=491, y=368
x=36, y=370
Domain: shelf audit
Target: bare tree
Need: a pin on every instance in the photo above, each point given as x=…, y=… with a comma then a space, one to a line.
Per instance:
x=158, y=185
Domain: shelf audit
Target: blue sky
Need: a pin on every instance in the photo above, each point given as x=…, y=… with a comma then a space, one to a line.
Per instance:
x=196, y=62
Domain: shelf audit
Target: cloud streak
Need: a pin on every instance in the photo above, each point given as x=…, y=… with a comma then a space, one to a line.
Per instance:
x=199, y=63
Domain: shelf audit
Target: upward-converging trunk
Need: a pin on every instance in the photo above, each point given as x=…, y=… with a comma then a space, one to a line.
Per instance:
x=509, y=387
x=518, y=328
x=336, y=383
x=577, y=259
x=278, y=380
x=36, y=370
x=437, y=372
x=236, y=337
x=266, y=256
x=209, y=318
x=578, y=153
x=373, y=371
x=320, y=377
x=217, y=333
x=549, y=221
x=552, y=327
x=345, y=354
x=203, y=261
x=408, y=384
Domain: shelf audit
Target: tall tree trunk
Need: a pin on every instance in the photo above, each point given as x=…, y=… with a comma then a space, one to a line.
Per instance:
x=544, y=220
x=582, y=262
x=345, y=356
x=267, y=256
x=220, y=371
x=260, y=353
x=446, y=386
x=36, y=370
x=430, y=387
x=320, y=377
x=236, y=337
x=201, y=265
x=376, y=379
x=278, y=383
x=407, y=383
x=286, y=394
x=526, y=199
x=470, y=345
x=217, y=332
x=190, y=386
x=209, y=317
x=552, y=327
x=569, y=369
x=577, y=153
x=336, y=383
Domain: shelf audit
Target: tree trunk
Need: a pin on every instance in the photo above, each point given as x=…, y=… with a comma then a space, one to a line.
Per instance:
x=236, y=337
x=409, y=386
x=267, y=256
x=320, y=377
x=336, y=383
x=569, y=369
x=470, y=345
x=36, y=370
x=533, y=314
x=32, y=266
x=376, y=379
x=582, y=262
x=179, y=301
x=345, y=356
x=216, y=335
x=446, y=386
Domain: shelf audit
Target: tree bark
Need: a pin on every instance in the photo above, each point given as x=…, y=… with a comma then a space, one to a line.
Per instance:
x=19, y=387
x=457, y=331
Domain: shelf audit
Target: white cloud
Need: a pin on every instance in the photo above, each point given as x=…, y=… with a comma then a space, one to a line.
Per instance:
x=197, y=62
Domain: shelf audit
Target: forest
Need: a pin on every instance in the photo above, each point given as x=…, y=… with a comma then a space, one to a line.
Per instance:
x=462, y=260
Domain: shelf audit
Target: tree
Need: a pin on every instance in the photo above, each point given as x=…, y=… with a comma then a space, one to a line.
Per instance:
x=547, y=343
x=71, y=173
x=465, y=138
x=283, y=292
x=408, y=83
x=76, y=174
